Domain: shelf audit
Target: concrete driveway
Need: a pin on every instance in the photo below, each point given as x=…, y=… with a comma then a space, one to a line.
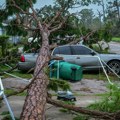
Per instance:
x=114, y=47
x=86, y=90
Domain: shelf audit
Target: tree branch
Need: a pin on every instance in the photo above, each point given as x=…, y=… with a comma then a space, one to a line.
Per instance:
x=11, y=69
x=35, y=16
x=93, y=113
x=59, y=26
x=21, y=10
x=53, y=20
x=26, y=87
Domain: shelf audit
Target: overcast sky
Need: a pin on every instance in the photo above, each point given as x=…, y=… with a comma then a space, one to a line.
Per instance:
x=41, y=3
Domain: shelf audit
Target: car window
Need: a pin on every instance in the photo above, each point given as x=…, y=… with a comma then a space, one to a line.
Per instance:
x=62, y=50
x=80, y=50
x=56, y=51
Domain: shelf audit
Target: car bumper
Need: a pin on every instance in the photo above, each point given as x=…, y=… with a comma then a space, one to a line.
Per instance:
x=25, y=66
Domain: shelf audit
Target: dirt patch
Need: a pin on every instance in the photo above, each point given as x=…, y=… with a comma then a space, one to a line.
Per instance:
x=85, y=86
x=14, y=83
x=89, y=87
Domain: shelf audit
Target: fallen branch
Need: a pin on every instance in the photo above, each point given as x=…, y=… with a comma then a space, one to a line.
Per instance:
x=93, y=113
x=4, y=60
x=11, y=69
x=26, y=87
x=75, y=41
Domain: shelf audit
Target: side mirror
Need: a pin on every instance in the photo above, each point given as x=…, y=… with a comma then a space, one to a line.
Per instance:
x=93, y=53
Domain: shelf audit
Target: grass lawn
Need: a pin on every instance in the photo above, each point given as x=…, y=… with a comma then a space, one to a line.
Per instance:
x=116, y=39
x=15, y=72
x=86, y=75
x=99, y=76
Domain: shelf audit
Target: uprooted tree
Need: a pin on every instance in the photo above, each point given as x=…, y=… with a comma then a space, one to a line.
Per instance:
x=34, y=106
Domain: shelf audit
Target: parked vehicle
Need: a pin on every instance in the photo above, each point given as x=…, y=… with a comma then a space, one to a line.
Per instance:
x=66, y=96
x=27, y=61
x=87, y=58
x=76, y=54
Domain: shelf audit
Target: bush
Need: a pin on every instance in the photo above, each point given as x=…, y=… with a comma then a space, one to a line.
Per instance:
x=110, y=102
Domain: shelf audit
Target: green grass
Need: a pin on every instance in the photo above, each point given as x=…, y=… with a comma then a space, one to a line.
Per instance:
x=110, y=102
x=10, y=91
x=22, y=94
x=18, y=74
x=3, y=68
x=6, y=116
x=99, y=76
x=116, y=39
x=5, y=113
x=81, y=117
x=22, y=74
x=15, y=72
x=86, y=75
x=97, y=94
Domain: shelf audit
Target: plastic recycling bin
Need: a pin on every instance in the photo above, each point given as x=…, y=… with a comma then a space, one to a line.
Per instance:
x=67, y=71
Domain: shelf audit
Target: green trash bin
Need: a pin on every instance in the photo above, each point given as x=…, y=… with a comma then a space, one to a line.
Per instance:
x=67, y=71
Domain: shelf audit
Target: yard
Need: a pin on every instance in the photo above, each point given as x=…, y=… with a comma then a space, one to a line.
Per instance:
x=89, y=90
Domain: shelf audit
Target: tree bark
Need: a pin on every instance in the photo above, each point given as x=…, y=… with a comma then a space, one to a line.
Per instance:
x=34, y=106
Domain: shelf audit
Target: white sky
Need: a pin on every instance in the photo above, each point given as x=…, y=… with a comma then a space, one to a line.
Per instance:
x=41, y=3
x=2, y=4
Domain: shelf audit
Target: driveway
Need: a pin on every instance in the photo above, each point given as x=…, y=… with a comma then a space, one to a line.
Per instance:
x=84, y=91
x=52, y=112
x=114, y=47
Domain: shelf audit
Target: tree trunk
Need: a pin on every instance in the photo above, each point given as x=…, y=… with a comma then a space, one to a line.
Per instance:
x=34, y=106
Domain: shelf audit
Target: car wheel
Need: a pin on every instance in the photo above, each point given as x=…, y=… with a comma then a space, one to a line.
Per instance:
x=114, y=65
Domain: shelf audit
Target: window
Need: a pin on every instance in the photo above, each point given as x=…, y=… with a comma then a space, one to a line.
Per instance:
x=65, y=50
x=62, y=50
x=56, y=51
x=80, y=50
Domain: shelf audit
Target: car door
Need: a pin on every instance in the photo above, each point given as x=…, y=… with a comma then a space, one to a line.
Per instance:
x=65, y=52
x=83, y=56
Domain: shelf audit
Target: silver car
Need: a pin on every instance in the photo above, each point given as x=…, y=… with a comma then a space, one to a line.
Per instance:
x=87, y=58
x=27, y=61
x=76, y=54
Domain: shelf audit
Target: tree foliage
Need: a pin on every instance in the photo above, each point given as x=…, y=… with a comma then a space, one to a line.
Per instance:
x=3, y=44
x=57, y=84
